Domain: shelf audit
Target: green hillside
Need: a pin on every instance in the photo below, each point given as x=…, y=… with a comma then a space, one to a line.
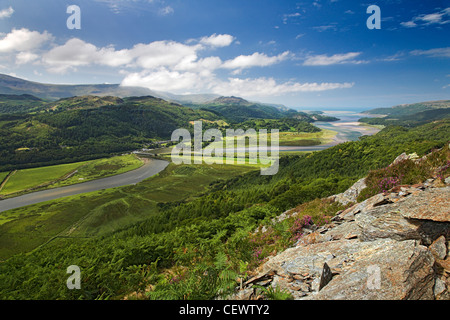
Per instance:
x=16, y=86
x=410, y=109
x=237, y=110
x=10, y=103
x=410, y=120
x=83, y=128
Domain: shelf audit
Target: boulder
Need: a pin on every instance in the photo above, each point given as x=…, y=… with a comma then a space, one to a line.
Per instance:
x=431, y=204
x=390, y=270
x=351, y=194
x=438, y=248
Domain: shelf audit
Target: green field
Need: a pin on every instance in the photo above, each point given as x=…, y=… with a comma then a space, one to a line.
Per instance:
x=3, y=176
x=306, y=138
x=101, y=212
x=102, y=168
x=27, y=180
x=30, y=178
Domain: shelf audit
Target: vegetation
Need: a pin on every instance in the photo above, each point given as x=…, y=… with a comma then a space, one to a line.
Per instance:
x=28, y=180
x=22, y=180
x=410, y=120
x=410, y=109
x=24, y=103
x=68, y=133
x=192, y=236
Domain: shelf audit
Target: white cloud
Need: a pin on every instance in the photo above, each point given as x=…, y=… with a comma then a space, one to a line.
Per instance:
x=72, y=54
x=217, y=40
x=440, y=18
x=165, y=80
x=76, y=52
x=286, y=17
x=26, y=57
x=409, y=24
x=23, y=40
x=164, y=65
x=324, y=60
x=255, y=60
x=163, y=53
x=166, y=11
x=6, y=13
x=325, y=28
x=438, y=52
x=269, y=87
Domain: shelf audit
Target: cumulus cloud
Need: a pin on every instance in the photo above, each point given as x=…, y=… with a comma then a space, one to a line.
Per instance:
x=19, y=40
x=325, y=60
x=6, y=13
x=166, y=65
x=255, y=60
x=26, y=57
x=165, y=80
x=217, y=40
x=270, y=87
x=179, y=56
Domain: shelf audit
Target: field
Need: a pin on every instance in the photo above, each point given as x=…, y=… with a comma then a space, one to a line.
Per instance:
x=27, y=180
x=31, y=178
x=101, y=212
x=102, y=168
x=306, y=139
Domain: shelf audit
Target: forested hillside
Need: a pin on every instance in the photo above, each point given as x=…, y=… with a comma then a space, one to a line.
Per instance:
x=82, y=128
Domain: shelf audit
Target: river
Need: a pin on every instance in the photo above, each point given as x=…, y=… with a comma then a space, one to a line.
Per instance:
x=348, y=129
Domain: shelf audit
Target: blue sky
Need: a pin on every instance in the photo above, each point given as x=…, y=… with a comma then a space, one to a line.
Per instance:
x=310, y=55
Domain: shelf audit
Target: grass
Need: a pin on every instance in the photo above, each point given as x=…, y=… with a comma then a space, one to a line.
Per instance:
x=98, y=213
x=306, y=139
x=27, y=180
x=102, y=168
x=285, y=139
x=3, y=175
x=30, y=178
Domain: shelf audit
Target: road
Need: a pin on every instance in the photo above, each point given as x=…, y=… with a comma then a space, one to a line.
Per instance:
x=150, y=168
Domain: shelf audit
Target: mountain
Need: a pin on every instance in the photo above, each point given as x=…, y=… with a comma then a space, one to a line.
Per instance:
x=409, y=115
x=236, y=109
x=15, y=86
x=410, y=109
x=10, y=103
x=185, y=98
x=81, y=128
x=12, y=85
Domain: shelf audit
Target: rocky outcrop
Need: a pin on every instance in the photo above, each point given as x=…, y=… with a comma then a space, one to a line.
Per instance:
x=392, y=246
x=351, y=194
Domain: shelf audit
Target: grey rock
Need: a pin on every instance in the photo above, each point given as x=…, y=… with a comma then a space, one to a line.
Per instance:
x=326, y=276
x=351, y=194
x=389, y=225
x=430, y=204
x=405, y=271
x=439, y=287
x=438, y=248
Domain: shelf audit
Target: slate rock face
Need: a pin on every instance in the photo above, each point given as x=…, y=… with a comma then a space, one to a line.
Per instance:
x=391, y=270
x=431, y=204
x=392, y=246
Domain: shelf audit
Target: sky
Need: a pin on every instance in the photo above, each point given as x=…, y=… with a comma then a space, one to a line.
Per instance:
x=307, y=55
